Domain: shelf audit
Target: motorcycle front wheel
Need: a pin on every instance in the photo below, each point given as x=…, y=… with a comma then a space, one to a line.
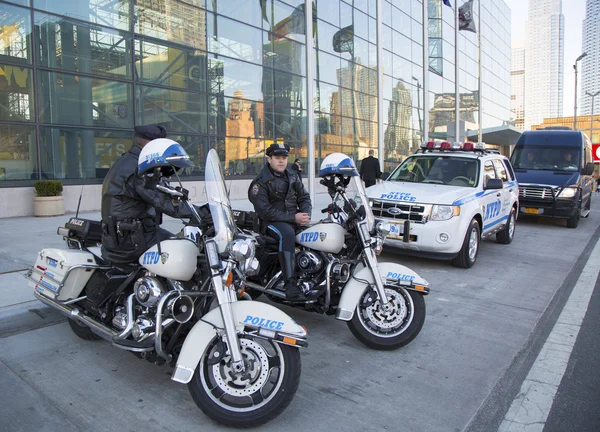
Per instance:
x=388, y=330
x=254, y=397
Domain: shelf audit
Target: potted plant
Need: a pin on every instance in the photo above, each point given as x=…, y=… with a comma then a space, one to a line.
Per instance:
x=48, y=199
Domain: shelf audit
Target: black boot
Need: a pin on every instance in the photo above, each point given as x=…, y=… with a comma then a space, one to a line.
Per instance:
x=288, y=272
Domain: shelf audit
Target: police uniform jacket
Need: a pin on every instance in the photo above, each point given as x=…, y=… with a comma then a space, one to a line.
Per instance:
x=132, y=199
x=278, y=198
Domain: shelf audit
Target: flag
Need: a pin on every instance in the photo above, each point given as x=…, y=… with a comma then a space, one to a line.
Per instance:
x=466, y=20
x=343, y=40
x=447, y=3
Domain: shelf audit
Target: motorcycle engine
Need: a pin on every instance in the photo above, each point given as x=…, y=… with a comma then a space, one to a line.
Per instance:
x=308, y=262
x=148, y=291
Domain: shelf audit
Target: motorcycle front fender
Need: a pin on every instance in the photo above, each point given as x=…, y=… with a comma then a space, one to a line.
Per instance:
x=358, y=283
x=251, y=314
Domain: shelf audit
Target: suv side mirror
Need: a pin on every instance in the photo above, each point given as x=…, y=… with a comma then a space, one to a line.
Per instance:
x=385, y=175
x=493, y=184
x=589, y=168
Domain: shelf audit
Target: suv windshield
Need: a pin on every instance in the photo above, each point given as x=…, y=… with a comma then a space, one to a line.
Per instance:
x=446, y=170
x=546, y=158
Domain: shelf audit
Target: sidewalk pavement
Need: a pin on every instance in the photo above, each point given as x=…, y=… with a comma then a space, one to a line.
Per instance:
x=20, y=240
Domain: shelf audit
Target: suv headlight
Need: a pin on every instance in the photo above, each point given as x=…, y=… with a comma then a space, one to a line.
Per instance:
x=444, y=212
x=567, y=193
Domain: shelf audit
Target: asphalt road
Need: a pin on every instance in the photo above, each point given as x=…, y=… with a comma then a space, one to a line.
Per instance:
x=483, y=330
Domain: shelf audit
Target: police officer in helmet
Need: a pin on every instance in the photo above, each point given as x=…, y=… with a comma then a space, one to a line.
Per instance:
x=131, y=204
x=282, y=203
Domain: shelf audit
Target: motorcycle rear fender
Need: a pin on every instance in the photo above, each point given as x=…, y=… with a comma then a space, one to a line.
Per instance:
x=357, y=284
x=246, y=314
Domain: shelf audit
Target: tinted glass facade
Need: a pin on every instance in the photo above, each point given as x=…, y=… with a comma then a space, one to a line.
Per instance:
x=77, y=75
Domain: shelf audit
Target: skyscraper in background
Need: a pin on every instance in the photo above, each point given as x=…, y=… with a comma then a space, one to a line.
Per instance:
x=544, y=61
x=517, y=97
x=590, y=75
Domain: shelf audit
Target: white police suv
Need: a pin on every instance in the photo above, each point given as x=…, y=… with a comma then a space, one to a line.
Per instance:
x=442, y=200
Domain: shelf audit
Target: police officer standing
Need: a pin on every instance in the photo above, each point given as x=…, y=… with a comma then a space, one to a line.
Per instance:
x=282, y=203
x=132, y=206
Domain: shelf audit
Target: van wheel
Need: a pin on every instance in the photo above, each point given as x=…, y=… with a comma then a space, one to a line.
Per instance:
x=468, y=253
x=508, y=233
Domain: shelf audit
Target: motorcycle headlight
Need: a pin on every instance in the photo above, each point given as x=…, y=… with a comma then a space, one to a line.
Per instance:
x=444, y=212
x=241, y=249
x=567, y=193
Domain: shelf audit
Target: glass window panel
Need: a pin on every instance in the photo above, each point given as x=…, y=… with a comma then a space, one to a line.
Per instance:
x=324, y=38
x=417, y=32
x=15, y=29
x=73, y=46
x=329, y=101
x=227, y=76
x=289, y=56
x=19, y=2
x=402, y=45
x=328, y=67
x=329, y=10
x=361, y=24
x=16, y=93
x=244, y=118
x=244, y=156
x=372, y=30
x=283, y=20
x=73, y=99
x=345, y=15
x=362, y=5
x=387, y=12
x=111, y=13
x=172, y=20
x=171, y=66
x=387, y=38
x=76, y=153
x=387, y=61
x=235, y=40
x=402, y=69
x=417, y=53
x=18, y=153
x=284, y=123
x=373, y=8
x=248, y=11
x=361, y=52
x=288, y=90
x=178, y=111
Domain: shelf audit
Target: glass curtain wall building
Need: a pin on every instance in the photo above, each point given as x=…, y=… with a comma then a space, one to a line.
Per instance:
x=77, y=75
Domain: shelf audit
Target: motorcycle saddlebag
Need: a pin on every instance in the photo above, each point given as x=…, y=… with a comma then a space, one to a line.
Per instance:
x=51, y=269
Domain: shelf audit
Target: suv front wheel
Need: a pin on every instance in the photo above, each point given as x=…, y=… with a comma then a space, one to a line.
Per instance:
x=468, y=253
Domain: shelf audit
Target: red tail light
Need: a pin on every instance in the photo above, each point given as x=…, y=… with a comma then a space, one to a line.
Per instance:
x=445, y=145
x=431, y=144
x=468, y=146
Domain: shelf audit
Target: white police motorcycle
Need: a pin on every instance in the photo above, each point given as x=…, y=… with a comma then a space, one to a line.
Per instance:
x=336, y=258
x=240, y=359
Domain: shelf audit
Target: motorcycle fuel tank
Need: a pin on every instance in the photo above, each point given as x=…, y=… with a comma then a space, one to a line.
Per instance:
x=324, y=237
x=177, y=259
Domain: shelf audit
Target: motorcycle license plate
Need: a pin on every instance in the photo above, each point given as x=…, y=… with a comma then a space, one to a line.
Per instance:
x=529, y=210
x=396, y=230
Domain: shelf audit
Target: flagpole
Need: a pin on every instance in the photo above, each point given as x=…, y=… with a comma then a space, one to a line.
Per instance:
x=310, y=115
x=425, y=128
x=480, y=136
x=456, y=78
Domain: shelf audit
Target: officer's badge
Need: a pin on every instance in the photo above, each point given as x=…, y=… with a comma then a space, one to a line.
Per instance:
x=164, y=257
x=255, y=189
x=322, y=236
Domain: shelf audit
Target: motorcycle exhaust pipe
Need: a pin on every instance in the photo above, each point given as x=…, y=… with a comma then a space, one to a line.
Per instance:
x=74, y=314
x=265, y=290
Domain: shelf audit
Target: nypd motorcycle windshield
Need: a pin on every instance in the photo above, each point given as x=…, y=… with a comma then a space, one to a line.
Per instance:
x=218, y=202
x=364, y=201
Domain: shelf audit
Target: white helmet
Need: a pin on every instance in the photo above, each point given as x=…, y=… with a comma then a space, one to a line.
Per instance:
x=163, y=152
x=338, y=163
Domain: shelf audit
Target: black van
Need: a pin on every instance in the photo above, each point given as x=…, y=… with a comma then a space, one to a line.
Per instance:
x=554, y=170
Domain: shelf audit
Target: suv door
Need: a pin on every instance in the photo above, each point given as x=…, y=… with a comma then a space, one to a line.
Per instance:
x=491, y=200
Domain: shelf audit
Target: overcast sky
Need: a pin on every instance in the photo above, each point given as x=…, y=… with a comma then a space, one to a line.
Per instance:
x=574, y=12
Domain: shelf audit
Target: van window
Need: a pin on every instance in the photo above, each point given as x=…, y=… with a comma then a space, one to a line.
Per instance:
x=546, y=158
x=501, y=170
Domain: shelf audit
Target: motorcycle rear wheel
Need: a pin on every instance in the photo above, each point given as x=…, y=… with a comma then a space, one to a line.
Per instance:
x=270, y=382
x=389, y=330
x=82, y=330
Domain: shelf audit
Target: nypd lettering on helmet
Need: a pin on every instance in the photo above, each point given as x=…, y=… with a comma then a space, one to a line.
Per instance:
x=307, y=237
x=399, y=196
x=400, y=276
x=263, y=322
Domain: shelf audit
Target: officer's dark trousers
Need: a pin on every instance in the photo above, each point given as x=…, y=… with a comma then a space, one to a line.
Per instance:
x=369, y=182
x=287, y=242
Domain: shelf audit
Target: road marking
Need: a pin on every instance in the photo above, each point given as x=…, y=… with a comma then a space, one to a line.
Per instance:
x=529, y=411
